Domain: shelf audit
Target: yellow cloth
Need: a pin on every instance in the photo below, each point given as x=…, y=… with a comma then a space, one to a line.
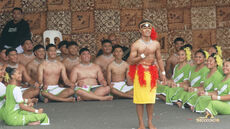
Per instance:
x=143, y=94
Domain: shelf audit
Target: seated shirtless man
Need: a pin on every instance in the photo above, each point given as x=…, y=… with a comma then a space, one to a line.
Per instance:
x=72, y=59
x=49, y=73
x=87, y=75
x=106, y=58
x=32, y=66
x=117, y=74
x=31, y=88
x=27, y=55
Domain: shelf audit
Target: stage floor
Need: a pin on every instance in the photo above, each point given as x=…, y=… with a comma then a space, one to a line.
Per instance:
x=118, y=114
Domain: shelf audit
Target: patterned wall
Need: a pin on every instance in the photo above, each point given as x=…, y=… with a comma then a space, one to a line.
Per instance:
x=199, y=22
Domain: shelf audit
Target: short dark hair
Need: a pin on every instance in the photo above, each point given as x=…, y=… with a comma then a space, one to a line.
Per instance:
x=38, y=47
x=10, y=71
x=117, y=46
x=143, y=21
x=1, y=49
x=178, y=39
x=185, y=46
x=83, y=49
x=50, y=45
x=25, y=41
x=106, y=41
x=10, y=50
x=71, y=43
x=62, y=43
x=17, y=8
x=201, y=51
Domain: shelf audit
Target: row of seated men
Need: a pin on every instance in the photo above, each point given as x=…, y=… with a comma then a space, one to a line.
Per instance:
x=58, y=78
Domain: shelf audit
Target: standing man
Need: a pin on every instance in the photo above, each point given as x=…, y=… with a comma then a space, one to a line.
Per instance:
x=15, y=31
x=144, y=71
x=173, y=59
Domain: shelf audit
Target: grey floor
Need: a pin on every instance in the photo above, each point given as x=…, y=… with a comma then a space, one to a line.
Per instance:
x=118, y=114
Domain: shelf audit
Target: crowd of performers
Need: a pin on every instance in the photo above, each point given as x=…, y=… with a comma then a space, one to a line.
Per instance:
x=200, y=80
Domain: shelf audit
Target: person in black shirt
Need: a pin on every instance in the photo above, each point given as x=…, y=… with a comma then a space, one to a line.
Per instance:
x=15, y=31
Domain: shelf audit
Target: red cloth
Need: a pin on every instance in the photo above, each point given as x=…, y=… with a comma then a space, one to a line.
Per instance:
x=152, y=69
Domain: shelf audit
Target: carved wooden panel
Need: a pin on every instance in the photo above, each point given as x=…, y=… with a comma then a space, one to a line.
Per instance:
x=223, y=16
x=82, y=22
x=179, y=18
x=130, y=19
x=37, y=22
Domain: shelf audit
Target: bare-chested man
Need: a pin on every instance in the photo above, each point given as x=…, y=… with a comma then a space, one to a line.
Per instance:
x=172, y=59
x=49, y=73
x=27, y=55
x=144, y=72
x=3, y=58
x=87, y=75
x=117, y=75
x=32, y=66
x=72, y=59
x=31, y=89
x=64, y=51
x=106, y=58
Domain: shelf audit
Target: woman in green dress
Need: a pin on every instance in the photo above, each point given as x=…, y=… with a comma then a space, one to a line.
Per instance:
x=220, y=103
x=196, y=77
x=199, y=101
x=217, y=50
x=15, y=111
x=180, y=73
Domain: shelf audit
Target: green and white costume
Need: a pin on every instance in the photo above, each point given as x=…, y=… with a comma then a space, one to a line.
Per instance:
x=122, y=86
x=195, y=79
x=13, y=115
x=201, y=102
x=216, y=107
x=179, y=75
x=2, y=97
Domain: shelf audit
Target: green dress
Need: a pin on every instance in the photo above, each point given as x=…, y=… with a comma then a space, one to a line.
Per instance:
x=2, y=97
x=195, y=79
x=179, y=75
x=201, y=102
x=216, y=107
x=13, y=115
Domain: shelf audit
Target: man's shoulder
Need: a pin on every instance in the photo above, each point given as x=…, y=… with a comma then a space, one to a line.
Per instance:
x=24, y=22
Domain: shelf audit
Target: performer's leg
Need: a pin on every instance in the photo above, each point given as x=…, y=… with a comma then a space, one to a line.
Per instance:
x=140, y=111
x=31, y=93
x=149, y=109
x=102, y=91
x=120, y=94
x=56, y=98
x=83, y=95
x=66, y=93
x=162, y=97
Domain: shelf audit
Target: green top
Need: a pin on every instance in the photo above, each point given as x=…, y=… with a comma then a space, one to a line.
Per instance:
x=195, y=78
x=11, y=107
x=223, y=88
x=179, y=75
x=211, y=82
